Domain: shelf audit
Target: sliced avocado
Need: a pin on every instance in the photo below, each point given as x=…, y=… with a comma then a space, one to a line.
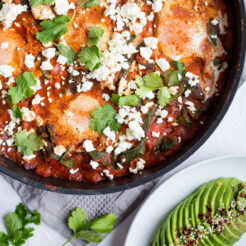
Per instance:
x=207, y=210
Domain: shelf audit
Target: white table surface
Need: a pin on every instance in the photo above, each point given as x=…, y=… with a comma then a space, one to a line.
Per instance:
x=229, y=138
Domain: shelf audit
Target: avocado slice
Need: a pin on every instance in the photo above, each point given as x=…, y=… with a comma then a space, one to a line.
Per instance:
x=215, y=214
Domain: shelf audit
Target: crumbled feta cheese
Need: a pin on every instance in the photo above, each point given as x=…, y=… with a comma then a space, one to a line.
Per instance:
x=28, y=158
x=139, y=166
x=190, y=106
x=187, y=92
x=134, y=131
x=4, y=45
x=157, y=5
x=73, y=171
x=37, y=86
x=108, y=175
x=37, y=99
x=122, y=146
x=46, y=65
x=163, y=64
x=94, y=164
x=49, y=53
x=145, y=52
x=162, y=113
x=57, y=85
x=151, y=42
x=85, y=86
x=6, y=71
x=173, y=90
x=88, y=146
x=108, y=133
x=62, y=6
x=28, y=115
x=106, y=97
x=145, y=108
x=214, y=22
x=109, y=149
x=141, y=67
x=150, y=17
x=192, y=79
x=29, y=60
x=9, y=13
x=62, y=60
x=159, y=121
x=43, y=12
x=155, y=134
x=59, y=150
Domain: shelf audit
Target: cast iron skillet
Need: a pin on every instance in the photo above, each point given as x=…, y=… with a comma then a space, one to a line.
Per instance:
x=15, y=171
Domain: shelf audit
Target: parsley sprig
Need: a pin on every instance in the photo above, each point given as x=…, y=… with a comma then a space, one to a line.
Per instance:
x=89, y=230
x=94, y=35
x=53, y=29
x=130, y=100
x=16, y=222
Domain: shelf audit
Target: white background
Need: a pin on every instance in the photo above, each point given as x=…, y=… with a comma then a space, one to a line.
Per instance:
x=229, y=138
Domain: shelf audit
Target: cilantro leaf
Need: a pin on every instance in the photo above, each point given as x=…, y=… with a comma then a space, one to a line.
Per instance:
x=163, y=96
x=22, y=90
x=131, y=100
x=152, y=80
x=4, y=241
x=27, y=143
x=91, y=3
x=15, y=223
x=94, y=35
x=53, y=29
x=104, y=224
x=89, y=236
x=173, y=77
x=35, y=3
x=91, y=57
x=66, y=51
x=77, y=220
x=86, y=230
x=104, y=116
x=142, y=91
x=17, y=113
x=147, y=84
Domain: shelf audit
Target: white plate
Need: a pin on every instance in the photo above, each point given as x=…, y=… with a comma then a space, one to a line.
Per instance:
x=175, y=189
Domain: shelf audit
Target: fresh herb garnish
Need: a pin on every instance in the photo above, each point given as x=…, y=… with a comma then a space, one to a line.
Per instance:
x=91, y=57
x=27, y=143
x=66, y=51
x=151, y=82
x=163, y=96
x=35, y=3
x=147, y=84
x=132, y=38
x=89, y=230
x=91, y=3
x=213, y=39
x=94, y=35
x=16, y=222
x=164, y=144
x=173, y=77
x=53, y=29
x=104, y=116
x=22, y=90
x=131, y=100
x=17, y=112
x=217, y=62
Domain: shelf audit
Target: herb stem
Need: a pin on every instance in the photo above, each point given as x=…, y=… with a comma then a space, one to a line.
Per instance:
x=70, y=239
